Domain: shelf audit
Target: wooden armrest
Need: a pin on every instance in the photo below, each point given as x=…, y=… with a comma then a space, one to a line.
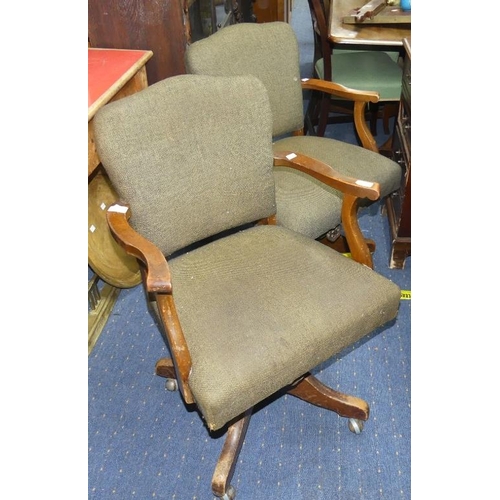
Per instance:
x=360, y=98
x=339, y=90
x=158, y=278
x=352, y=190
x=325, y=173
x=158, y=282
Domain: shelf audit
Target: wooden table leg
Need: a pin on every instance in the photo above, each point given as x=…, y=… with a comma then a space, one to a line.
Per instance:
x=101, y=305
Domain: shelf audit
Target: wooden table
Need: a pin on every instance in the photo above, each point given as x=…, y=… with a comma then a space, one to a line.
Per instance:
x=112, y=74
x=362, y=34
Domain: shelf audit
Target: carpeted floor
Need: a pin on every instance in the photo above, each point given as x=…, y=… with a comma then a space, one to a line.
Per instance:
x=144, y=444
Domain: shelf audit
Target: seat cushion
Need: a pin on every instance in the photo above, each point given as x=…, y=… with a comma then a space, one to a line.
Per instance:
x=262, y=307
x=366, y=70
x=308, y=206
x=305, y=204
x=395, y=55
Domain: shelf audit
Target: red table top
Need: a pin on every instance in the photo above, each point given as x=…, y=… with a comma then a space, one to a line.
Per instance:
x=109, y=70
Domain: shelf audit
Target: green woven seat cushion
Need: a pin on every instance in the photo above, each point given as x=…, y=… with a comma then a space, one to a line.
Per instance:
x=393, y=54
x=262, y=307
x=305, y=204
x=366, y=70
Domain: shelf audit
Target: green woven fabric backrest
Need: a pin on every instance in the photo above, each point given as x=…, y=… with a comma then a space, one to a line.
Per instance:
x=192, y=155
x=268, y=51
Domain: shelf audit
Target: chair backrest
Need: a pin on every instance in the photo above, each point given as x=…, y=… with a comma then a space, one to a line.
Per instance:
x=268, y=51
x=192, y=155
x=320, y=10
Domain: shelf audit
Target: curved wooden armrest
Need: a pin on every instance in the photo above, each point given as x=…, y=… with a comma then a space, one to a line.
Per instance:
x=360, y=98
x=352, y=189
x=340, y=90
x=325, y=173
x=158, y=282
x=158, y=278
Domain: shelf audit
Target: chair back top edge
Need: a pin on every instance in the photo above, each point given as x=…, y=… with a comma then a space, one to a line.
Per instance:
x=269, y=51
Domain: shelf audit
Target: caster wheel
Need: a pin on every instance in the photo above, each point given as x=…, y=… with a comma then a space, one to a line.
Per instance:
x=230, y=494
x=333, y=234
x=356, y=425
x=171, y=384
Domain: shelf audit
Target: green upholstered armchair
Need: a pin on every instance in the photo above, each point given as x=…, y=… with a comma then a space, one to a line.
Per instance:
x=247, y=308
x=270, y=52
x=360, y=67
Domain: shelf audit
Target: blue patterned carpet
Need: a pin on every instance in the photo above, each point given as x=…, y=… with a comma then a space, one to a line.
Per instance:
x=144, y=444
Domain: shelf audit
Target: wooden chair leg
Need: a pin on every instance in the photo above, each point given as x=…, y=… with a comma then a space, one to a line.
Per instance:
x=313, y=391
x=374, y=113
x=323, y=116
x=165, y=368
x=224, y=469
x=386, y=148
x=390, y=109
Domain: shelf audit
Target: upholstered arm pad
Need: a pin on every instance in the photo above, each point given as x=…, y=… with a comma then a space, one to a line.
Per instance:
x=339, y=90
x=325, y=173
x=158, y=274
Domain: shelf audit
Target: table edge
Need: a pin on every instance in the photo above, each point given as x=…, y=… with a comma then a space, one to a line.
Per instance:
x=116, y=87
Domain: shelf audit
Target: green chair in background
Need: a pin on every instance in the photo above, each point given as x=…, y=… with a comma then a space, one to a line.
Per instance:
x=363, y=68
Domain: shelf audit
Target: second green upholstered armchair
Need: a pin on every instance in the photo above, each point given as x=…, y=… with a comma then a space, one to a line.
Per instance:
x=270, y=52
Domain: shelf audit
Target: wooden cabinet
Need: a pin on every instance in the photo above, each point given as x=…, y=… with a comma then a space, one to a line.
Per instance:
x=399, y=204
x=156, y=25
x=266, y=11
x=161, y=26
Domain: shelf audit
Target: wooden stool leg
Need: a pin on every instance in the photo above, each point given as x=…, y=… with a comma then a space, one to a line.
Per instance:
x=313, y=391
x=386, y=117
x=229, y=455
